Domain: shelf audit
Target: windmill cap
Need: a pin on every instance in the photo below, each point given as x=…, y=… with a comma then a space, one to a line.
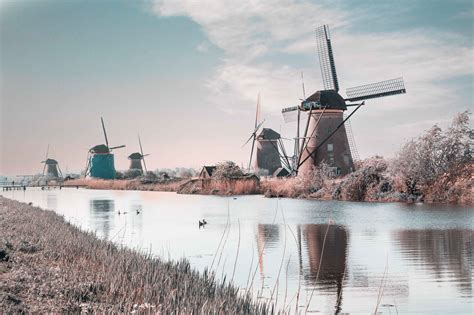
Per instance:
x=135, y=156
x=327, y=98
x=100, y=148
x=268, y=134
x=50, y=161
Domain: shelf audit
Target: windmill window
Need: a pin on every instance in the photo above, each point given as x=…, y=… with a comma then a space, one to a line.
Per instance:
x=330, y=147
x=347, y=159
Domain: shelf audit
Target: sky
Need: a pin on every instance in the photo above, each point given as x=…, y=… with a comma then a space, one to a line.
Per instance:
x=185, y=75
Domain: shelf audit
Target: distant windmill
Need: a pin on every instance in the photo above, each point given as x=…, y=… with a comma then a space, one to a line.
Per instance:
x=325, y=138
x=253, y=135
x=100, y=162
x=268, y=157
x=269, y=146
x=136, y=159
x=51, y=167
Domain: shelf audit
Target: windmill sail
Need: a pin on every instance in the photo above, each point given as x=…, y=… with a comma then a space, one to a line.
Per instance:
x=326, y=58
x=143, y=155
x=105, y=133
x=257, y=114
x=47, y=153
x=290, y=114
x=375, y=90
x=258, y=124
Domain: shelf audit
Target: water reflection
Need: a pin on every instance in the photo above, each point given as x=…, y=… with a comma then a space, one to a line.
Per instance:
x=446, y=254
x=102, y=211
x=52, y=201
x=327, y=255
x=268, y=236
x=136, y=210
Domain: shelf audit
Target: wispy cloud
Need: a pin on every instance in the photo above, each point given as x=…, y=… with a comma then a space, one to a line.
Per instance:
x=203, y=47
x=263, y=42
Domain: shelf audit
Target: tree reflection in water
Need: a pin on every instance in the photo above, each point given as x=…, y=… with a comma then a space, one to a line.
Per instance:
x=447, y=253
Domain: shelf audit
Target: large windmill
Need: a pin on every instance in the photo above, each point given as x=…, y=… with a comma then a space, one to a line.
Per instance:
x=325, y=138
x=51, y=167
x=137, y=158
x=100, y=162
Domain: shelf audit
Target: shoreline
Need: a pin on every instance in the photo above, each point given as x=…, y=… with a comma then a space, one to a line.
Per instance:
x=50, y=265
x=269, y=188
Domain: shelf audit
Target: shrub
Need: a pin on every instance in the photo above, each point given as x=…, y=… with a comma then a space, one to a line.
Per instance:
x=367, y=180
x=178, y=172
x=130, y=174
x=227, y=169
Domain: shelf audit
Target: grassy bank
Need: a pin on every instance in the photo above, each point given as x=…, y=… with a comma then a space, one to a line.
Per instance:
x=49, y=265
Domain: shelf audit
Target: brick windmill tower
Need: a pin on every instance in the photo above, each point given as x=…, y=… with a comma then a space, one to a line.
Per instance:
x=268, y=155
x=137, y=158
x=325, y=137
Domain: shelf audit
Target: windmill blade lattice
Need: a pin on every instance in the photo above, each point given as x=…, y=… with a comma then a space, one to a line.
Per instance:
x=290, y=114
x=375, y=90
x=326, y=58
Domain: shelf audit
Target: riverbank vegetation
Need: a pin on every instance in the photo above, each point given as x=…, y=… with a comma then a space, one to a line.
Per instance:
x=49, y=265
x=143, y=183
x=227, y=179
x=435, y=167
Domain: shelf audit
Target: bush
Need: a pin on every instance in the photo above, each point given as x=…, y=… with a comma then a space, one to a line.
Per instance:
x=367, y=178
x=130, y=174
x=227, y=169
x=178, y=172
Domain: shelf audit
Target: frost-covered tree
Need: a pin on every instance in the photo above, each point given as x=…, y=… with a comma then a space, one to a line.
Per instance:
x=424, y=159
x=227, y=169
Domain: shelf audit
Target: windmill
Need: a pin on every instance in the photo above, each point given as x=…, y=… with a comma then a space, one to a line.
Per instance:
x=136, y=159
x=325, y=137
x=51, y=167
x=100, y=161
x=269, y=145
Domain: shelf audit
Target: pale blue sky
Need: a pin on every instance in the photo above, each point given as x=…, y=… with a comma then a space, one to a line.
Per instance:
x=185, y=75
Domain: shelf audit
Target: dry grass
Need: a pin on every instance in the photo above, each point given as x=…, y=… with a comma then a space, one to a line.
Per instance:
x=127, y=184
x=55, y=267
x=226, y=187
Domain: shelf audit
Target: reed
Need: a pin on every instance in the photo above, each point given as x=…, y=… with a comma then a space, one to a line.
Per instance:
x=127, y=184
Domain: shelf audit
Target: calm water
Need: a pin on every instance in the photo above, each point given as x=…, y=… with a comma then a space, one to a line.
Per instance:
x=425, y=251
